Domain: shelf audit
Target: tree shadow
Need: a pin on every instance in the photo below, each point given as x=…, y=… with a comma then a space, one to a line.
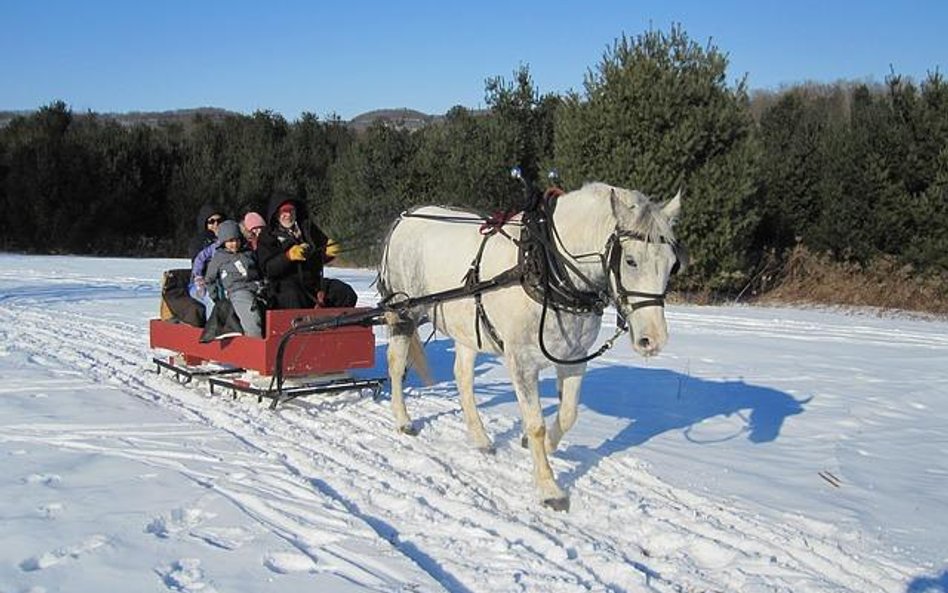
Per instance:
x=936, y=584
x=655, y=401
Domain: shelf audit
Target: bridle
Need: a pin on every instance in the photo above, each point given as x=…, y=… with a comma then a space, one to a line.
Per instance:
x=612, y=264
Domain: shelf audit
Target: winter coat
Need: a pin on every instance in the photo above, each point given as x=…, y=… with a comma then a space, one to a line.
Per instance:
x=228, y=272
x=200, y=261
x=292, y=284
x=203, y=237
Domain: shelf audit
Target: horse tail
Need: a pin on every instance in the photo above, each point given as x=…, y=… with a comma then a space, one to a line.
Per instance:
x=416, y=350
x=418, y=359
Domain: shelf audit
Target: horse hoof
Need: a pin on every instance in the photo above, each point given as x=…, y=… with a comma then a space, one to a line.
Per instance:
x=524, y=442
x=408, y=429
x=557, y=504
x=488, y=450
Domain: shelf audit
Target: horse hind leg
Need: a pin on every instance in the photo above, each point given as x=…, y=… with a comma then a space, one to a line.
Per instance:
x=464, y=358
x=401, y=332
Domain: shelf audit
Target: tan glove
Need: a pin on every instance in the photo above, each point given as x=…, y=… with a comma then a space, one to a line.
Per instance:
x=333, y=248
x=298, y=252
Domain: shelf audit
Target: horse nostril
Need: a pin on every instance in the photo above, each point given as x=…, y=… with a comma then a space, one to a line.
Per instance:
x=644, y=344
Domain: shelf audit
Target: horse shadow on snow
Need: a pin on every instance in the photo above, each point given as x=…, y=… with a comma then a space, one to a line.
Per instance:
x=648, y=402
x=929, y=584
x=654, y=401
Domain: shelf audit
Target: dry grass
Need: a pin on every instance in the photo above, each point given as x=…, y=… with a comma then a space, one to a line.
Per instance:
x=816, y=279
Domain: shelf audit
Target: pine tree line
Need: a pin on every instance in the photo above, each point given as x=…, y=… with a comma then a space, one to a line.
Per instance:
x=859, y=172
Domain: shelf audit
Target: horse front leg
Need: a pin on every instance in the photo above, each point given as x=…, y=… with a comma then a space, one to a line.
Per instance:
x=569, y=379
x=400, y=334
x=524, y=376
x=464, y=358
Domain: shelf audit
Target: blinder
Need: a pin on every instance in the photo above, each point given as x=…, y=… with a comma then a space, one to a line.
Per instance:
x=682, y=259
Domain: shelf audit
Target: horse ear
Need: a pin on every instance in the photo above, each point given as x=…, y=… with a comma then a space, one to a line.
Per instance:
x=672, y=210
x=620, y=210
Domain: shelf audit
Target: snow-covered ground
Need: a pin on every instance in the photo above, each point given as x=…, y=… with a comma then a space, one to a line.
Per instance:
x=766, y=449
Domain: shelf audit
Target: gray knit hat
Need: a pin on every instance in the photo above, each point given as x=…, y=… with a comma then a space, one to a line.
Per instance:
x=228, y=230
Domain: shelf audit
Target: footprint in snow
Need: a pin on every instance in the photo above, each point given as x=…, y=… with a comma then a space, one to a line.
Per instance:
x=287, y=562
x=177, y=520
x=185, y=575
x=50, y=510
x=228, y=538
x=44, y=479
x=48, y=559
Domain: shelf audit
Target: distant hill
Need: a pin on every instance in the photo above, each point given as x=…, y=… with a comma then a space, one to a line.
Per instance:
x=7, y=116
x=132, y=118
x=401, y=118
x=155, y=118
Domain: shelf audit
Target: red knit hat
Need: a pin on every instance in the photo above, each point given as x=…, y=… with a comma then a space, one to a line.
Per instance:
x=287, y=207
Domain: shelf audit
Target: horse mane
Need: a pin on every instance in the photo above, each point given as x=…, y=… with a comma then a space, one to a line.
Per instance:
x=648, y=218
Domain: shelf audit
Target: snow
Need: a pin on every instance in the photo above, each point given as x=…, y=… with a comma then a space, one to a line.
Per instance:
x=765, y=450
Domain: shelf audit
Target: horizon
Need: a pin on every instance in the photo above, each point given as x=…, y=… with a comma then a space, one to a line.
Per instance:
x=174, y=111
x=346, y=60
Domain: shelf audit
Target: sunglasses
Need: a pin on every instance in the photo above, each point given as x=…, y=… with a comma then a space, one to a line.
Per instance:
x=214, y=220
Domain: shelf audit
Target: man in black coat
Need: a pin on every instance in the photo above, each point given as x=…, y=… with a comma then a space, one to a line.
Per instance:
x=291, y=252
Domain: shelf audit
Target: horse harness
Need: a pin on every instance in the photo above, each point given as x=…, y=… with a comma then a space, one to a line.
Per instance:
x=543, y=272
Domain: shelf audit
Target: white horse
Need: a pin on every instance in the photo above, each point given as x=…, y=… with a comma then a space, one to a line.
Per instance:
x=614, y=239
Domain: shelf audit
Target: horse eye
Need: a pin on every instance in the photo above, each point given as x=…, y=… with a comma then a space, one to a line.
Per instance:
x=631, y=262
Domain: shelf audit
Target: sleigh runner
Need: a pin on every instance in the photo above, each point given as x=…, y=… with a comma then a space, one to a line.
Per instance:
x=307, y=363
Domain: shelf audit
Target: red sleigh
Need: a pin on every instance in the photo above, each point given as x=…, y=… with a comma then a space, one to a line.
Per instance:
x=311, y=362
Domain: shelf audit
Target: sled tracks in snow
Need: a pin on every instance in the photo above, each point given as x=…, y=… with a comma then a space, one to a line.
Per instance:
x=469, y=520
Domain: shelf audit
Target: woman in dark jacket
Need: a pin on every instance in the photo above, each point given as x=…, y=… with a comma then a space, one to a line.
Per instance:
x=206, y=221
x=291, y=252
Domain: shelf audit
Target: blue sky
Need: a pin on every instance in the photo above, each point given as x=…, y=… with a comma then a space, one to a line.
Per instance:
x=354, y=56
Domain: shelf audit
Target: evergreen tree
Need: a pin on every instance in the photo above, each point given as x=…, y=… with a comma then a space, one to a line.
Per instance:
x=369, y=189
x=657, y=115
x=530, y=116
x=465, y=161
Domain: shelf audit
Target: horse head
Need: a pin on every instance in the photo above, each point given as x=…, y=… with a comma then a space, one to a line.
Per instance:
x=642, y=255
